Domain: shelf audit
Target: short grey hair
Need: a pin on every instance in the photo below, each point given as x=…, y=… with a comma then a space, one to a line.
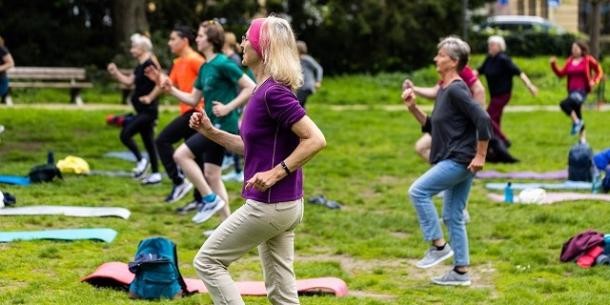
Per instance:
x=142, y=42
x=457, y=49
x=497, y=40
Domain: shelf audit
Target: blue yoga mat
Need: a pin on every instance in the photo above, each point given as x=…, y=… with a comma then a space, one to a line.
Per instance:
x=105, y=235
x=15, y=180
x=568, y=185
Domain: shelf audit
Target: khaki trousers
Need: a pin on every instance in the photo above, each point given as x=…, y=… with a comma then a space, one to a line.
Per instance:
x=268, y=226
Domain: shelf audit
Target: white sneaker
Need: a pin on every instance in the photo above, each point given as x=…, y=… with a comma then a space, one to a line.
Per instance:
x=208, y=233
x=179, y=191
x=208, y=210
x=227, y=162
x=153, y=178
x=233, y=176
x=140, y=169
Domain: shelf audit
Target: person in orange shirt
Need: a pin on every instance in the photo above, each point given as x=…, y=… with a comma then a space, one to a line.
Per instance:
x=183, y=74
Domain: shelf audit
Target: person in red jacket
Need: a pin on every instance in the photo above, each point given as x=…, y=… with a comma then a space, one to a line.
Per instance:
x=583, y=72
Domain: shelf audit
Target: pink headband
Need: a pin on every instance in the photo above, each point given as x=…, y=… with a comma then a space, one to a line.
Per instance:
x=254, y=35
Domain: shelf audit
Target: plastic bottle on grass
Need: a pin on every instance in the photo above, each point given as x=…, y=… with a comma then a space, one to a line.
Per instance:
x=508, y=193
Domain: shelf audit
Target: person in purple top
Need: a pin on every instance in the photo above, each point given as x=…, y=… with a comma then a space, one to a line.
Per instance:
x=277, y=138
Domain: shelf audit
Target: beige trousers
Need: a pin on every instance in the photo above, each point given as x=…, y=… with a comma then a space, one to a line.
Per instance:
x=268, y=226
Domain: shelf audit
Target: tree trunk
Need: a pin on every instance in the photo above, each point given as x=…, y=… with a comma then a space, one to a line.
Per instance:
x=129, y=18
x=595, y=27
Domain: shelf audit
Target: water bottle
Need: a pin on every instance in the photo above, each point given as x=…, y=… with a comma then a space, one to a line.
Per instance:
x=50, y=157
x=508, y=193
x=596, y=185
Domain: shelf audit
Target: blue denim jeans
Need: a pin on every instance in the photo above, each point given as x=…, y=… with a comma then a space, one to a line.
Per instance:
x=455, y=179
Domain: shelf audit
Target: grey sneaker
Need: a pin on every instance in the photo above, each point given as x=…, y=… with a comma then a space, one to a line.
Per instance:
x=179, y=191
x=452, y=278
x=433, y=257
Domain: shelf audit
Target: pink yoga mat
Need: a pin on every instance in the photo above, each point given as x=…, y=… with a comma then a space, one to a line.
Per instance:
x=558, y=197
x=116, y=274
x=555, y=175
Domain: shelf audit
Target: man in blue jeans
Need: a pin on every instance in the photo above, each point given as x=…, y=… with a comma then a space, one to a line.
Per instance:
x=460, y=130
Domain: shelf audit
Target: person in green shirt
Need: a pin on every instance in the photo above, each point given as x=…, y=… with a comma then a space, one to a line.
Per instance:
x=216, y=83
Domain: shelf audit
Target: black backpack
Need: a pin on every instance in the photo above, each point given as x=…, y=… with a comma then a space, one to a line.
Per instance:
x=45, y=172
x=580, y=163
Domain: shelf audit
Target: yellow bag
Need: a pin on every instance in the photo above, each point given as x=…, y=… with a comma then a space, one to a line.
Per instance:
x=72, y=164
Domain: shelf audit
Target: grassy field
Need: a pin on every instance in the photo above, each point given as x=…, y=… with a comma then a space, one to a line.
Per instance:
x=381, y=89
x=354, y=89
x=372, y=242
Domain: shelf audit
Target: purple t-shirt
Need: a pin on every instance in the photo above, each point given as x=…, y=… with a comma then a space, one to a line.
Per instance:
x=268, y=140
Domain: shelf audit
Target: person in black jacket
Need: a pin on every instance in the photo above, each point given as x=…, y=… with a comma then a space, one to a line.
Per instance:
x=499, y=70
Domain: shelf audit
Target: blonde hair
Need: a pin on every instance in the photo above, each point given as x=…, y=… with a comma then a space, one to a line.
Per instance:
x=280, y=55
x=142, y=42
x=231, y=42
x=497, y=40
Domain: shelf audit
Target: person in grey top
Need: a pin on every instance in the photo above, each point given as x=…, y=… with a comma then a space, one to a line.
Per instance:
x=312, y=74
x=460, y=130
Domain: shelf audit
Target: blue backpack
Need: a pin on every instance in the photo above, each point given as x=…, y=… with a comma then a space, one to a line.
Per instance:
x=580, y=163
x=156, y=270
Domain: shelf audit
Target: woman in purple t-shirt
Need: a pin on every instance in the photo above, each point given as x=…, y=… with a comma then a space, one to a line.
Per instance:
x=277, y=139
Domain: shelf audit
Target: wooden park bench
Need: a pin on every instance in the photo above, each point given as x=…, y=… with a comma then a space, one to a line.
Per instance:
x=49, y=77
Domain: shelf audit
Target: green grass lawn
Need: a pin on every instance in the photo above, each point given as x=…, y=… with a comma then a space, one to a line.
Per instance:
x=383, y=88
x=371, y=243
x=368, y=166
x=365, y=89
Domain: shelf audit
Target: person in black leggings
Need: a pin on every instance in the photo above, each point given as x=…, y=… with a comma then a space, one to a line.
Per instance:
x=144, y=101
x=183, y=74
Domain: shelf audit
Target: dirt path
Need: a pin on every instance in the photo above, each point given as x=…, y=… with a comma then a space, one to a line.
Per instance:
x=94, y=107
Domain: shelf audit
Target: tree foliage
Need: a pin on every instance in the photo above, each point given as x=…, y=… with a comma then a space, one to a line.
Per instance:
x=346, y=36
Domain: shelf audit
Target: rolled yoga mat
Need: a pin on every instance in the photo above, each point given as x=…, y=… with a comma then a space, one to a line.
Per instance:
x=105, y=235
x=567, y=185
x=117, y=275
x=15, y=180
x=550, y=198
x=66, y=211
x=556, y=175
